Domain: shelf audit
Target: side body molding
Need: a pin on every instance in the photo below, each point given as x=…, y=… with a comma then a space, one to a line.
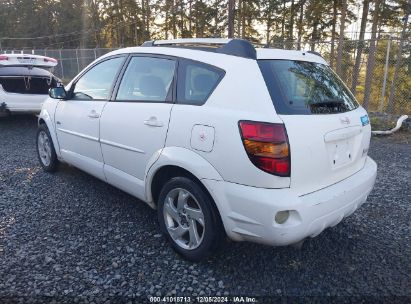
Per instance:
x=183, y=158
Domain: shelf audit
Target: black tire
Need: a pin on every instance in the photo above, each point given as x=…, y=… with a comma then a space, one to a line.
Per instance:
x=5, y=114
x=52, y=164
x=213, y=231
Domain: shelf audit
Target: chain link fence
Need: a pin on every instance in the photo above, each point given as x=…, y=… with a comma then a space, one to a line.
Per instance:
x=70, y=61
x=389, y=82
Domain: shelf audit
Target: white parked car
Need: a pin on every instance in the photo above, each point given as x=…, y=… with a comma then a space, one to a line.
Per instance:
x=25, y=81
x=261, y=145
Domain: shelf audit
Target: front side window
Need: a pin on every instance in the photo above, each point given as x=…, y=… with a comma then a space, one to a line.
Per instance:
x=147, y=79
x=300, y=87
x=96, y=83
x=196, y=82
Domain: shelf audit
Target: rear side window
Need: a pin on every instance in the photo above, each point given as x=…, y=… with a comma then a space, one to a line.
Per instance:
x=147, y=79
x=196, y=82
x=299, y=87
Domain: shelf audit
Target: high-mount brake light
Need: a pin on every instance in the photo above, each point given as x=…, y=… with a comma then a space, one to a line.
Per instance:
x=267, y=146
x=4, y=57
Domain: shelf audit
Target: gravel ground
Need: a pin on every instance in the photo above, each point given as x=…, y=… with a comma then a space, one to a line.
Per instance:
x=70, y=237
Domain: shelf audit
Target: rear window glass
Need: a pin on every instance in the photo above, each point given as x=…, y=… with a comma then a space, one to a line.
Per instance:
x=28, y=85
x=196, y=82
x=300, y=87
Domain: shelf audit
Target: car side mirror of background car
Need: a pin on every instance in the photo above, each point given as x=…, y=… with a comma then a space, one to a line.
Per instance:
x=58, y=93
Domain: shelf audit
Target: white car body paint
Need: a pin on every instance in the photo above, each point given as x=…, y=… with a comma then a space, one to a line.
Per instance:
x=22, y=103
x=324, y=187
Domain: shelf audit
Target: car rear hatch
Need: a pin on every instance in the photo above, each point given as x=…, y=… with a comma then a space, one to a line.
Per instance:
x=329, y=133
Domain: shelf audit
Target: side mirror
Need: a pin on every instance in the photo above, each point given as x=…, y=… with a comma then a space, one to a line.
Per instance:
x=58, y=93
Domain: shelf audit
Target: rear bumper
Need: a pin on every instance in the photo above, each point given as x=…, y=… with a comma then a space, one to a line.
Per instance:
x=248, y=212
x=23, y=103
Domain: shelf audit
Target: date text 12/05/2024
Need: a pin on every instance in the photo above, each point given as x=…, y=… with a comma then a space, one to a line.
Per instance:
x=203, y=299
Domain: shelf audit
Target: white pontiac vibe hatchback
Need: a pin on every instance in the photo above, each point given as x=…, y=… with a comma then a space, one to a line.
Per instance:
x=261, y=145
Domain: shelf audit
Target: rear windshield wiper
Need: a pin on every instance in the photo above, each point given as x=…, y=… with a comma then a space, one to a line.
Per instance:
x=332, y=102
x=335, y=105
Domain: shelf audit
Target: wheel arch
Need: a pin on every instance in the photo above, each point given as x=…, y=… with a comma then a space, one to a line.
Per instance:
x=178, y=161
x=165, y=173
x=44, y=118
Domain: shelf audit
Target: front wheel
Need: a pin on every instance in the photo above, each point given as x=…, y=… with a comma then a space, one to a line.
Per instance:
x=45, y=149
x=189, y=219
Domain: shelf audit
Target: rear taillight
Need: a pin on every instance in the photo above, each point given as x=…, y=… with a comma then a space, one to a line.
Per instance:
x=267, y=146
x=48, y=59
x=4, y=57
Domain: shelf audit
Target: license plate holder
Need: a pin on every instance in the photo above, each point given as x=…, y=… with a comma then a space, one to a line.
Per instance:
x=341, y=153
x=28, y=61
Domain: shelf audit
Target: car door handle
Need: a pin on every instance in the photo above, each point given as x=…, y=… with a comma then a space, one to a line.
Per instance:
x=153, y=122
x=93, y=114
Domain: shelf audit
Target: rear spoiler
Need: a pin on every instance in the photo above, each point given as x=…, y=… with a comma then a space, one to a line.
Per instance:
x=27, y=60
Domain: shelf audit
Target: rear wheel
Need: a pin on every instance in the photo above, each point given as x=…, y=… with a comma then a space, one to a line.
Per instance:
x=45, y=149
x=189, y=219
x=4, y=113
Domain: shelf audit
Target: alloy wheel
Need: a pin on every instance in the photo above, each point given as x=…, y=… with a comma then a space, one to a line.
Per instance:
x=184, y=219
x=43, y=145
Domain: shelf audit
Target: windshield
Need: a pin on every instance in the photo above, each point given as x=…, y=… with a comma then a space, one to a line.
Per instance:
x=300, y=87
